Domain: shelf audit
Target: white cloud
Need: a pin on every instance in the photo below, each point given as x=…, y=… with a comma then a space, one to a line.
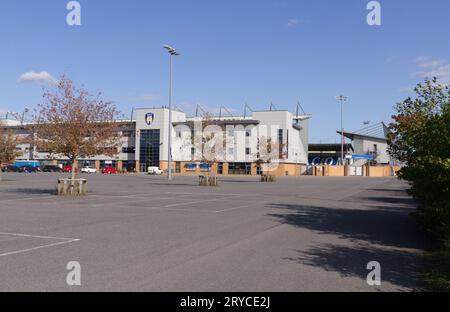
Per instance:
x=429, y=62
x=43, y=77
x=432, y=67
x=293, y=22
x=441, y=71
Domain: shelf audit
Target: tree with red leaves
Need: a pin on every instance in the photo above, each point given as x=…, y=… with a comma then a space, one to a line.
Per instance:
x=74, y=123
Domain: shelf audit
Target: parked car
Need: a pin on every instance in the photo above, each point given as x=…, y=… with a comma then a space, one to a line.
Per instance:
x=29, y=169
x=109, y=170
x=51, y=169
x=88, y=169
x=68, y=169
x=154, y=171
x=10, y=168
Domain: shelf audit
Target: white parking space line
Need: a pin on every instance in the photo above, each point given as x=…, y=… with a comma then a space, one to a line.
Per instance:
x=171, y=207
x=196, y=202
x=139, y=197
x=209, y=194
x=106, y=196
x=181, y=194
x=118, y=197
x=177, y=199
x=175, y=209
x=64, y=241
x=36, y=248
x=35, y=236
x=27, y=198
x=136, y=200
x=230, y=209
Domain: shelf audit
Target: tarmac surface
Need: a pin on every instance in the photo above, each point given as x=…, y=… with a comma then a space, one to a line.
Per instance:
x=144, y=233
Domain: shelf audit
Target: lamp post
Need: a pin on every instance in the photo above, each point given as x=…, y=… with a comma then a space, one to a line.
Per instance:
x=172, y=52
x=342, y=99
x=23, y=115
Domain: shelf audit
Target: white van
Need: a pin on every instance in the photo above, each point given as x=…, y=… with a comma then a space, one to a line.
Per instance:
x=154, y=171
x=88, y=169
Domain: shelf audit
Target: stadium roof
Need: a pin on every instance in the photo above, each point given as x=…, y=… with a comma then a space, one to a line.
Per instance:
x=377, y=131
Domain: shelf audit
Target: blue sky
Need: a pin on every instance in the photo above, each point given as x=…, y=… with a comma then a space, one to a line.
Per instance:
x=233, y=52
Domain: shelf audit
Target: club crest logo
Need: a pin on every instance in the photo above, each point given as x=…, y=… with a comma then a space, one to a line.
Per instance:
x=149, y=118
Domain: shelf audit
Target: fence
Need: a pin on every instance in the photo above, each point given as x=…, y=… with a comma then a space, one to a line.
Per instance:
x=344, y=171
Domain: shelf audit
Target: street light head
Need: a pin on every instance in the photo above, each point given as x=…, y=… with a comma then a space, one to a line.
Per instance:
x=171, y=50
x=342, y=98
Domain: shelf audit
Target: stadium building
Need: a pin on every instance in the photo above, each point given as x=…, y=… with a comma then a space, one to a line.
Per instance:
x=145, y=139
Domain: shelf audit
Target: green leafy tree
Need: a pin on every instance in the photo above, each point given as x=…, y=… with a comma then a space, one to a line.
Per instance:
x=421, y=140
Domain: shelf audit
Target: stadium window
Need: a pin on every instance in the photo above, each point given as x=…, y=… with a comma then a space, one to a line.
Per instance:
x=128, y=150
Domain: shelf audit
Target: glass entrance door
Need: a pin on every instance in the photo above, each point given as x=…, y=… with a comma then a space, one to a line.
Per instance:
x=149, y=149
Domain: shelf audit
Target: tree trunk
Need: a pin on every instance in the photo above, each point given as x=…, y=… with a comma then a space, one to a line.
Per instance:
x=209, y=178
x=1, y=173
x=73, y=174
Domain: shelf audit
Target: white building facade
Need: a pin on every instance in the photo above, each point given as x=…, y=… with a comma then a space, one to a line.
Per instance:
x=237, y=147
x=238, y=139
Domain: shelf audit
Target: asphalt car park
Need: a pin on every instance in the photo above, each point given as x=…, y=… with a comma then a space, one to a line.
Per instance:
x=144, y=233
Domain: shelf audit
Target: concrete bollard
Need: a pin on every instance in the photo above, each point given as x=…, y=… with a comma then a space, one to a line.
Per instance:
x=67, y=187
x=208, y=181
x=268, y=178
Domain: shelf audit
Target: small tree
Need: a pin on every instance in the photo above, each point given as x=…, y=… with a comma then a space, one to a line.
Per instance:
x=212, y=143
x=209, y=139
x=8, y=144
x=74, y=123
x=268, y=156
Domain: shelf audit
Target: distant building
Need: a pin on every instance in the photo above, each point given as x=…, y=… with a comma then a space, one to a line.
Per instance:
x=240, y=137
x=370, y=144
x=144, y=143
x=327, y=154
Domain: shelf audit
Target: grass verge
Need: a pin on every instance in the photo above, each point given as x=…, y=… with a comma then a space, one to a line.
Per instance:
x=438, y=269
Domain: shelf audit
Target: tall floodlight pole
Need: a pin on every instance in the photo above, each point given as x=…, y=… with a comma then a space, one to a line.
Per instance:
x=342, y=99
x=172, y=52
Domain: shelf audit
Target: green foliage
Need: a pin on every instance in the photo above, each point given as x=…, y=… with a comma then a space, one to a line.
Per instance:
x=438, y=273
x=421, y=140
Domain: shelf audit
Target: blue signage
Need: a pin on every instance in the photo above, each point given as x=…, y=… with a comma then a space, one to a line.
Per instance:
x=329, y=161
x=370, y=157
